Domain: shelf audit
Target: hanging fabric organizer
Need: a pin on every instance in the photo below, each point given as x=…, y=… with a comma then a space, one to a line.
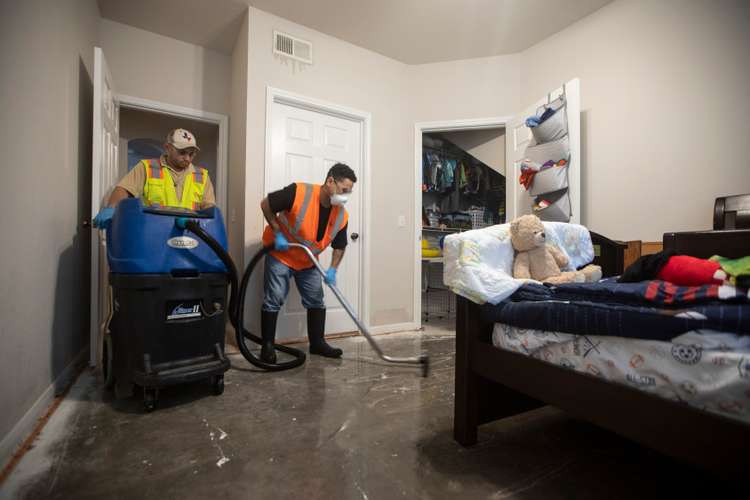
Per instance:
x=544, y=169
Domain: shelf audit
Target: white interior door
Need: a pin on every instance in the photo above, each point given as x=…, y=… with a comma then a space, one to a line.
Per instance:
x=304, y=145
x=518, y=136
x=103, y=177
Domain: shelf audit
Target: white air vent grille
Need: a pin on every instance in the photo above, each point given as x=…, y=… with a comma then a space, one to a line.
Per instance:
x=293, y=47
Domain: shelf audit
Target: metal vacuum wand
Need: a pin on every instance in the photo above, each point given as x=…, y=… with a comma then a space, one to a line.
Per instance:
x=423, y=360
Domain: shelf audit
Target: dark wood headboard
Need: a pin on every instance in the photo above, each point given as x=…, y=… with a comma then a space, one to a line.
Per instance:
x=732, y=244
x=608, y=254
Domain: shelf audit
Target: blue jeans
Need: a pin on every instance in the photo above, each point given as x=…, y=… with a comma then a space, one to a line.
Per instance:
x=276, y=278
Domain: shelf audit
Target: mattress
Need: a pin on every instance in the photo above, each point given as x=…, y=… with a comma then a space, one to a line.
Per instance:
x=706, y=369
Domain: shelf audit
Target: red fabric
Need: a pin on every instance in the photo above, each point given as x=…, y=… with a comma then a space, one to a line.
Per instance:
x=526, y=178
x=684, y=270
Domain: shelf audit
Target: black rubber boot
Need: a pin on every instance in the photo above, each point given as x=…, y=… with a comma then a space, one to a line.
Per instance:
x=268, y=334
x=316, y=327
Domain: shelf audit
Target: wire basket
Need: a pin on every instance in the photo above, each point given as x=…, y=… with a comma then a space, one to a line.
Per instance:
x=437, y=300
x=438, y=304
x=478, y=219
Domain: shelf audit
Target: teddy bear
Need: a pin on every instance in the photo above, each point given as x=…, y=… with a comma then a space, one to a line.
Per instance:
x=536, y=259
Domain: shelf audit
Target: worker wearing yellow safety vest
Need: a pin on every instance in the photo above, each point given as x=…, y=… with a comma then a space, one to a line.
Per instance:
x=170, y=180
x=313, y=215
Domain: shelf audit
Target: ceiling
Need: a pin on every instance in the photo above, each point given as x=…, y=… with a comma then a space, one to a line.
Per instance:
x=410, y=31
x=209, y=23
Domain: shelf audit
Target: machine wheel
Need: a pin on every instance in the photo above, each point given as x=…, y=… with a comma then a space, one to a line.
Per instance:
x=218, y=384
x=108, y=363
x=149, y=399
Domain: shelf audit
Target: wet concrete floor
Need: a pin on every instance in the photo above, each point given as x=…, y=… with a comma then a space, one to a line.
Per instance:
x=353, y=429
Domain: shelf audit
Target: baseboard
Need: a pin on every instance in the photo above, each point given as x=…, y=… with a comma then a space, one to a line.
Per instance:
x=393, y=328
x=26, y=425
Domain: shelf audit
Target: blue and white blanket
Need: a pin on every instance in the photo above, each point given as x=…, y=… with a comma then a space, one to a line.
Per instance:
x=478, y=264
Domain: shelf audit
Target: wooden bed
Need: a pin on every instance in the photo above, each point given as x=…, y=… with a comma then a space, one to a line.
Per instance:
x=492, y=383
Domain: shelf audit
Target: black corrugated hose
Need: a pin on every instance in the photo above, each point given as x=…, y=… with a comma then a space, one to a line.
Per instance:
x=237, y=301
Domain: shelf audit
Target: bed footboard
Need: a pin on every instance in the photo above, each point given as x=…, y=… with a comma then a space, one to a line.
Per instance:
x=478, y=400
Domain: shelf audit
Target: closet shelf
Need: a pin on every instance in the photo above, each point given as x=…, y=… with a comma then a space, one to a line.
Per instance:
x=446, y=230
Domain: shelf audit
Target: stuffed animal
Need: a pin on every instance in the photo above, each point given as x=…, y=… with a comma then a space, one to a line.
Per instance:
x=536, y=259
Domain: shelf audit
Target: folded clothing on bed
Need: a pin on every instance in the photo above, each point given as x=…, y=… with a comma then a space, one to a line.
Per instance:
x=654, y=310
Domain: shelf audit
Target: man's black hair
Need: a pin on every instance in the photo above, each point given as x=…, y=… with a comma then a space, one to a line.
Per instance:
x=339, y=172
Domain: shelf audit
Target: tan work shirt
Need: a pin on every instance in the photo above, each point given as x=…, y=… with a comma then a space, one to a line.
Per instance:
x=134, y=181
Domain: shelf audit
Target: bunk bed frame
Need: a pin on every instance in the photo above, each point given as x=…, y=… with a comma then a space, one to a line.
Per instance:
x=492, y=383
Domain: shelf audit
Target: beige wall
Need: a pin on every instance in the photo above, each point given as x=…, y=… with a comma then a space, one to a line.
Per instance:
x=488, y=145
x=46, y=99
x=349, y=76
x=237, y=145
x=487, y=87
x=151, y=66
x=664, y=90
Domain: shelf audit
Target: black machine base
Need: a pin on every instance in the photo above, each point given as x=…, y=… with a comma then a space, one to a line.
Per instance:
x=166, y=330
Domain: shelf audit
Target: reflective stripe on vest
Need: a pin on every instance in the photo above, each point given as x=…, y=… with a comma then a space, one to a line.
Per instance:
x=299, y=224
x=159, y=187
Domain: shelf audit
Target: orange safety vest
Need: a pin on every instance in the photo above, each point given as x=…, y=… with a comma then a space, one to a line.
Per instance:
x=159, y=187
x=300, y=225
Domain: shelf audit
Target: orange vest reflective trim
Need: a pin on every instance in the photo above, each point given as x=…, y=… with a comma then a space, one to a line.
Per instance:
x=300, y=225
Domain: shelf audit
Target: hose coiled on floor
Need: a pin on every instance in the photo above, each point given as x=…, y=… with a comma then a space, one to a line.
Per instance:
x=237, y=302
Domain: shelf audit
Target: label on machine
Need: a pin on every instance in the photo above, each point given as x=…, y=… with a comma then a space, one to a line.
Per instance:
x=184, y=310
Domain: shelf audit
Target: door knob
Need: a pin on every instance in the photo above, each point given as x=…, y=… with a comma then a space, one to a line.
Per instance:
x=355, y=236
x=86, y=223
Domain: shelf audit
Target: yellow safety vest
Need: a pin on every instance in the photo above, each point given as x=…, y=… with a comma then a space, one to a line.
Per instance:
x=159, y=188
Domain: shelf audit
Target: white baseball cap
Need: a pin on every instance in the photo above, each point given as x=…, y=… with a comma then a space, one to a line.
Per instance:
x=182, y=139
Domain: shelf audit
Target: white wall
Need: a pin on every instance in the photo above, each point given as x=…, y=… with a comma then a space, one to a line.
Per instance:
x=349, y=76
x=237, y=145
x=487, y=145
x=471, y=88
x=151, y=66
x=665, y=107
x=46, y=99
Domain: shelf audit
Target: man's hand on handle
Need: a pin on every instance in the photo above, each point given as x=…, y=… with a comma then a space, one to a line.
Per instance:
x=280, y=242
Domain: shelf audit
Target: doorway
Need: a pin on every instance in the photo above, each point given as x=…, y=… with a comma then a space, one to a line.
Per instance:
x=142, y=136
x=462, y=188
x=304, y=138
x=518, y=138
x=109, y=163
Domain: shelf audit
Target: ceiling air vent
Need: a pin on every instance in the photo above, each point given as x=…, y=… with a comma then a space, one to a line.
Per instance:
x=293, y=47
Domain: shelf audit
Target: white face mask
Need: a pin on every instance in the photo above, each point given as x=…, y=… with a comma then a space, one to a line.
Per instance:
x=339, y=199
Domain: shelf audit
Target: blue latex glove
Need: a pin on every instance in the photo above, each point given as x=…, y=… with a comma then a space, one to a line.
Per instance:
x=280, y=242
x=331, y=276
x=103, y=218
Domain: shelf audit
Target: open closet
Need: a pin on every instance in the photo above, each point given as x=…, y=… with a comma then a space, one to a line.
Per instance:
x=463, y=188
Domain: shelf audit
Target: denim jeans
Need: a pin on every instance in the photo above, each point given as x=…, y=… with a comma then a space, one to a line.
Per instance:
x=276, y=278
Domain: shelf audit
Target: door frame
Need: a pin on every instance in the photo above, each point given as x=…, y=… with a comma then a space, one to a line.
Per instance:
x=364, y=118
x=137, y=103
x=442, y=126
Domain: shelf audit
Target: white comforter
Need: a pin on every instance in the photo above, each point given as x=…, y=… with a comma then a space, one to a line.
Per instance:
x=478, y=264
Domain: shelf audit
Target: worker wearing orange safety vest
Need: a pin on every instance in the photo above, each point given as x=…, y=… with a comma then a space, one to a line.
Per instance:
x=170, y=180
x=313, y=215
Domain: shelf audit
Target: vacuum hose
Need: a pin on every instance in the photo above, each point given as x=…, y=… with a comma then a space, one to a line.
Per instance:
x=237, y=302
